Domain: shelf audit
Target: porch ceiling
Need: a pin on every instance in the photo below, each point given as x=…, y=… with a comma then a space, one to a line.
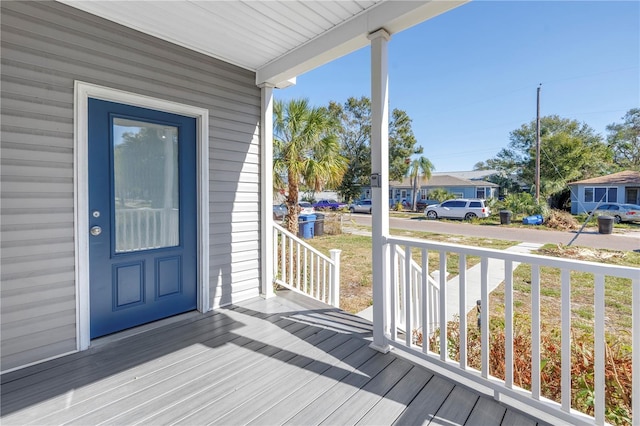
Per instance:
x=278, y=40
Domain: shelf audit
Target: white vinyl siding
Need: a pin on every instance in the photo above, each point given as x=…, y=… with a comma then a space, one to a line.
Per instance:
x=46, y=47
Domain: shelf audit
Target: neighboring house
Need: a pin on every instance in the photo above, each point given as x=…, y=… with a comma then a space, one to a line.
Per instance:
x=621, y=187
x=460, y=187
x=137, y=154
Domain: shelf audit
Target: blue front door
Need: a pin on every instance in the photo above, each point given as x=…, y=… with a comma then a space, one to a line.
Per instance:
x=142, y=208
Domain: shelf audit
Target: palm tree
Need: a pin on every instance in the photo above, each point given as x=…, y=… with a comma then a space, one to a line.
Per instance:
x=419, y=169
x=306, y=150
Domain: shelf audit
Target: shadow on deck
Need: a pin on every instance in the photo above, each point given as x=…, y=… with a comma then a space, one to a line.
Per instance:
x=282, y=360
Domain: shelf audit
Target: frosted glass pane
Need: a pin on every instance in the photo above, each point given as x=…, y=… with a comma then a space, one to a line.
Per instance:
x=145, y=162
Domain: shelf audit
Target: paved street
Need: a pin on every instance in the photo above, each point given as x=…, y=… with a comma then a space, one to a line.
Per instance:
x=629, y=240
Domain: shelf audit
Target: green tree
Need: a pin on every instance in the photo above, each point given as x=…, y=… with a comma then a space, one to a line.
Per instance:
x=354, y=134
x=624, y=140
x=355, y=140
x=569, y=150
x=402, y=144
x=306, y=150
x=419, y=171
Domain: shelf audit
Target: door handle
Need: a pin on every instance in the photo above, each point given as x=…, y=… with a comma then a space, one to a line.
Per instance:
x=95, y=231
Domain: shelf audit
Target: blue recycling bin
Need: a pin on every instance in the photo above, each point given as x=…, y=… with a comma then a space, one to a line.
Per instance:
x=306, y=224
x=536, y=219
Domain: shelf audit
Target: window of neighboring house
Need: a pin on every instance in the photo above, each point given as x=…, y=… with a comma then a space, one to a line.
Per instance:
x=423, y=194
x=458, y=194
x=604, y=194
x=481, y=192
x=403, y=193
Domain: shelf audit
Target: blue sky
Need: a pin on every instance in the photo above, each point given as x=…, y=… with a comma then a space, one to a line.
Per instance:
x=468, y=77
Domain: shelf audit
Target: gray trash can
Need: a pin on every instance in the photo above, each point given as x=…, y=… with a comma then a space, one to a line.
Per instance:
x=505, y=217
x=605, y=224
x=318, y=230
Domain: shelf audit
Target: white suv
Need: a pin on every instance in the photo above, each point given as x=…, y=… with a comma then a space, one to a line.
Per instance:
x=461, y=208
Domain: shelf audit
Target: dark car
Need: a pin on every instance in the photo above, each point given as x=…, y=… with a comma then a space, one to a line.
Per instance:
x=328, y=205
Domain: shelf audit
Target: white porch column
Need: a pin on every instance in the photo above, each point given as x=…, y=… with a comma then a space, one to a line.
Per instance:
x=266, y=190
x=380, y=194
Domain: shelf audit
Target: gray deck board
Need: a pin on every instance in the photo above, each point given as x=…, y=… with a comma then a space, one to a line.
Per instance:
x=486, y=412
x=283, y=360
x=456, y=408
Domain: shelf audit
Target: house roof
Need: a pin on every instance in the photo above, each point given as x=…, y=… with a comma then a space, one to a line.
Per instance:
x=627, y=177
x=438, y=181
x=278, y=40
x=470, y=174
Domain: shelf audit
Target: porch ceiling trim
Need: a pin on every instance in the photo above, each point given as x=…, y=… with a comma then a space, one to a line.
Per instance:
x=277, y=40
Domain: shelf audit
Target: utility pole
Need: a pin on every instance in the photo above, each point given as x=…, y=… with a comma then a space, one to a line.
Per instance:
x=537, y=181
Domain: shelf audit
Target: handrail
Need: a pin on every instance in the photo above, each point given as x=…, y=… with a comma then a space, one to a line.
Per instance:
x=301, y=268
x=400, y=298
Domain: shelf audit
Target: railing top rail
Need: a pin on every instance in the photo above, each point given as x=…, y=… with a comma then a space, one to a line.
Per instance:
x=581, y=265
x=302, y=243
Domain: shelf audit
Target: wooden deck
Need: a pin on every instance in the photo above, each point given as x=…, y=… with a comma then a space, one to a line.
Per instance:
x=279, y=361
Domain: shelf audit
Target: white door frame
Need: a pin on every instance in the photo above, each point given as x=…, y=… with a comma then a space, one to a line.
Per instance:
x=84, y=91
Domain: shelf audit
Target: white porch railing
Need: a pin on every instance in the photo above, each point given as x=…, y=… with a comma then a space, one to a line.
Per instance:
x=146, y=228
x=406, y=304
x=301, y=268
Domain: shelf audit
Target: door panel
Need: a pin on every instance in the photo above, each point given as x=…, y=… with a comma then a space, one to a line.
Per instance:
x=142, y=203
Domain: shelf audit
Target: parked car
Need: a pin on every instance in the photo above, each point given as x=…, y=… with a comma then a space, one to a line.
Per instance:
x=461, y=208
x=360, y=206
x=306, y=208
x=329, y=205
x=280, y=210
x=620, y=212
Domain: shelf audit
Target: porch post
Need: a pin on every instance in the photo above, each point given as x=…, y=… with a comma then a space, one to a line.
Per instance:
x=380, y=193
x=266, y=190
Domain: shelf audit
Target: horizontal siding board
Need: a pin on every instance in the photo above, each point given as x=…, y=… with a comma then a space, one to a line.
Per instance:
x=53, y=306
x=37, y=354
x=58, y=279
x=39, y=201
x=46, y=46
x=39, y=323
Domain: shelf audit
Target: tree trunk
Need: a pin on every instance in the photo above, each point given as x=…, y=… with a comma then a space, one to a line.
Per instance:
x=292, y=205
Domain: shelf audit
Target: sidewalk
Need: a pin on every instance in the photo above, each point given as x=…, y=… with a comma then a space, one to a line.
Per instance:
x=496, y=277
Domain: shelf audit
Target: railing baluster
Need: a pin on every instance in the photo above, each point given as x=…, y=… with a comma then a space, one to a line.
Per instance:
x=462, y=300
x=298, y=283
x=484, y=314
x=508, y=323
x=599, y=353
x=283, y=257
x=565, y=349
x=324, y=297
x=291, y=273
x=426, y=301
x=305, y=271
x=395, y=282
x=407, y=295
x=443, y=306
x=535, y=331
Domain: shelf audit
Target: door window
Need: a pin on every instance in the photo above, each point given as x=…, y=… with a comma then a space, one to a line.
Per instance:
x=146, y=196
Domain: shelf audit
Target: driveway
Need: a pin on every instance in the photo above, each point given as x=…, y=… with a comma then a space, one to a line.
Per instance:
x=627, y=240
